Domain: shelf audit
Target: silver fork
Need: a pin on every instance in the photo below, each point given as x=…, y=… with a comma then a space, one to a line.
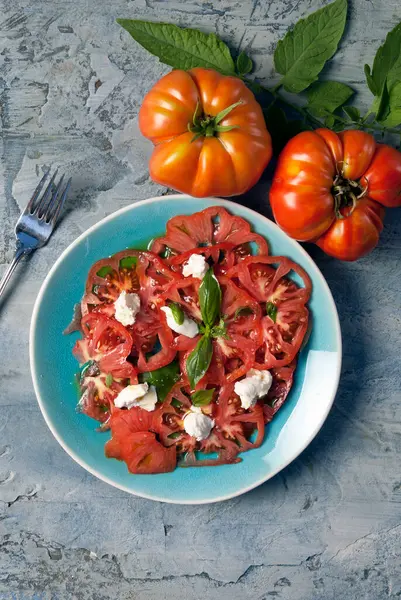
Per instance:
x=37, y=221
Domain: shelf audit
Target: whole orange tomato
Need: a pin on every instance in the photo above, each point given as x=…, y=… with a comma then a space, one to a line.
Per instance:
x=332, y=188
x=209, y=133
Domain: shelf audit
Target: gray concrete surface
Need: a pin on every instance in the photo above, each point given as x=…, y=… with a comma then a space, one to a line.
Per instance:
x=328, y=527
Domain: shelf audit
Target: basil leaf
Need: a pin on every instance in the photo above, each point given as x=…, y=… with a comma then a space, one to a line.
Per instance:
x=327, y=96
x=176, y=403
x=352, y=112
x=163, y=379
x=179, y=47
x=244, y=64
x=199, y=360
x=109, y=379
x=209, y=298
x=302, y=54
x=177, y=312
x=174, y=435
x=202, y=397
x=243, y=311
x=271, y=310
x=220, y=330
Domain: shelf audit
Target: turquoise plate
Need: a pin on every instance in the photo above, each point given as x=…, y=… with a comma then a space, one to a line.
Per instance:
x=53, y=366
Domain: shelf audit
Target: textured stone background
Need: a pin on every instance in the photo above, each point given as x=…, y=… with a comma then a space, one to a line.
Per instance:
x=328, y=527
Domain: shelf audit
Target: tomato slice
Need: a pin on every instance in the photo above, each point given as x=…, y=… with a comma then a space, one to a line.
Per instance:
x=106, y=342
x=213, y=225
x=106, y=280
x=283, y=378
x=282, y=302
x=138, y=447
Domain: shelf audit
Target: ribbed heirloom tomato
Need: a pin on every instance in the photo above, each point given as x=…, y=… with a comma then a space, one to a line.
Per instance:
x=332, y=189
x=209, y=133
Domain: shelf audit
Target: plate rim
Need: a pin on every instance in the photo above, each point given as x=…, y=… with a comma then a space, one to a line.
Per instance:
x=35, y=380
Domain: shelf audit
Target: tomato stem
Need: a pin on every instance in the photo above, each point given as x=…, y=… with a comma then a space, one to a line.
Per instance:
x=208, y=125
x=346, y=193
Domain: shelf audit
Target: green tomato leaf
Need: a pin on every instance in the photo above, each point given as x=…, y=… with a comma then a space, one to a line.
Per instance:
x=209, y=298
x=385, y=78
x=352, y=112
x=202, y=397
x=179, y=47
x=383, y=105
x=163, y=379
x=387, y=62
x=271, y=310
x=244, y=64
x=370, y=81
x=303, y=52
x=328, y=96
x=199, y=360
x=177, y=312
x=393, y=118
x=329, y=121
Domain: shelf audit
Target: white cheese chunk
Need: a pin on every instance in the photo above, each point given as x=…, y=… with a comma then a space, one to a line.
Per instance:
x=255, y=385
x=189, y=328
x=195, y=267
x=140, y=395
x=198, y=425
x=127, y=307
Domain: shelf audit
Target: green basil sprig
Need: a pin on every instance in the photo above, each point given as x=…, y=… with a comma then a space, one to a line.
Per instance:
x=271, y=310
x=202, y=397
x=163, y=379
x=177, y=312
x=209, y=298
x=199, y=360
x=210, y=304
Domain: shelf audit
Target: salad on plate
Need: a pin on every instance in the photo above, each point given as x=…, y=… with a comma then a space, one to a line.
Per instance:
x=189, y=348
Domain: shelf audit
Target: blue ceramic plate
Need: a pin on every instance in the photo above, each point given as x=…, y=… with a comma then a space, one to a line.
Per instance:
x=53, y=366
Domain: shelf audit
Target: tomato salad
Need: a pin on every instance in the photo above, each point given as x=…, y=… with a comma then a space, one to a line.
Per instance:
x=190, y=348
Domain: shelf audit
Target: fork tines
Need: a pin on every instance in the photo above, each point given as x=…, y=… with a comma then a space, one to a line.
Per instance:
x=48, y=207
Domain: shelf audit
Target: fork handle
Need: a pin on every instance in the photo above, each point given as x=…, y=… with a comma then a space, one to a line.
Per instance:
x=19, y=253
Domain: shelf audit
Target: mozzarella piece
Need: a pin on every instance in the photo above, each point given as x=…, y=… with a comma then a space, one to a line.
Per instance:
x=195, y=267
x=140, y=395
x=255, y=385
x=127, y=307
x=188, y=328
x=198, y=425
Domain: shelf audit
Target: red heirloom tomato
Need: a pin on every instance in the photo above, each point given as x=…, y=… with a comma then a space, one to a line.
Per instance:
x=209, y=132
x=332, y=188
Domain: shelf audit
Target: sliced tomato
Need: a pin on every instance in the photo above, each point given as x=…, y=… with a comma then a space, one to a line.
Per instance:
x=268, y=284
x=108, y=343
x=138, y=447
x=213, y=225
x=132, y=271
x=163, y=356
x=106, y=280
x=283, y=378
x=97, y=398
